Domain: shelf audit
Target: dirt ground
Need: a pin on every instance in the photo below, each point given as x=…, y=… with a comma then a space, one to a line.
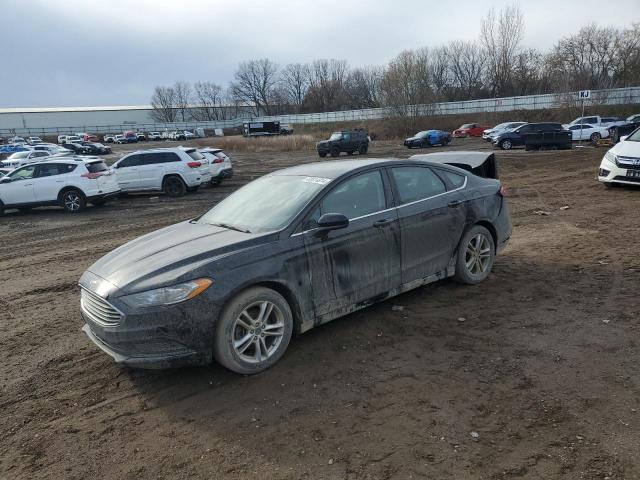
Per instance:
x=530, y=375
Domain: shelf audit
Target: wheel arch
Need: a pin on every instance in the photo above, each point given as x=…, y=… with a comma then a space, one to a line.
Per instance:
x=66, y=188
x=492, y=230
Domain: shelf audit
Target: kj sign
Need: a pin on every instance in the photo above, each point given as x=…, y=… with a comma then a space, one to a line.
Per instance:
x=584, y=94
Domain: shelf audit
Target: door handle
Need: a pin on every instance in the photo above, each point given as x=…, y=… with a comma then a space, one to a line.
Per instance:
x=455, y=203
x=28, y=184
x=382, y=223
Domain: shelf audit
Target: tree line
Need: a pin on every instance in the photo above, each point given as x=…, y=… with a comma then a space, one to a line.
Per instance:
x=497, y=64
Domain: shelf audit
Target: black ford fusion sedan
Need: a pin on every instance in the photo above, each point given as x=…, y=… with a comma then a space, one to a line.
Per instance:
x=289, y=251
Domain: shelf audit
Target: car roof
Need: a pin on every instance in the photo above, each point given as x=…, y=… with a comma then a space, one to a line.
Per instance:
x=473, y=159
x=336, y=168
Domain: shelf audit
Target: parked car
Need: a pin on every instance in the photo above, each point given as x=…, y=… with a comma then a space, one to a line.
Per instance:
x=5, y=170
x=587, y=131
x=70, y=139
x=78, y=147
x=287, y=252
x=109, y=138
x=70, y=183
x=52, y=149
x=621, y=164
x=18, y=159
x=17, y=140
x=598, y=121
x=12, y=148
x=96, y=148
x=286, y=129
x=87, y=137
x=489, y=133
x=33, y=140
x=428, y=138
x=183, y=135
x=469, y=130
x=120, y=139
x=130, y=137
x=141, y=137
x=618, y=131
x=62, y=139
x=350, y=141
x=173, y=171
x=220, y=164
x=515, y=138
x=154, y=136
x=633, y=118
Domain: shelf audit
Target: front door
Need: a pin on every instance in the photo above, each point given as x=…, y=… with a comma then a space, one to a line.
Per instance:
x=127, y=172
x=361, y=263
x=431, y=220
x=20, y=189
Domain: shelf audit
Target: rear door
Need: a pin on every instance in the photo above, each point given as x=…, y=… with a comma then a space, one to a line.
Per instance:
x=360, y=263
x=432, y=218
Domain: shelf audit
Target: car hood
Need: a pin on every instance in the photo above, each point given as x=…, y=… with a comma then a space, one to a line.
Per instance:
x=170, y=255
x=627, y=149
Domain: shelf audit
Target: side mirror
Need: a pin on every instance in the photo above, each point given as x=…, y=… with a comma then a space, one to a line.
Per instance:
x=331, y=221
x=623, y=138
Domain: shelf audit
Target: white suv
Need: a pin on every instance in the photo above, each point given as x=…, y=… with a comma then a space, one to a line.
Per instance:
x=18, y=159
x=219, y=163
x=173, y=171
x=69, y=183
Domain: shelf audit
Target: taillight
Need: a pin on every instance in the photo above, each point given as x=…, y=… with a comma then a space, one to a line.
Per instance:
x=91, y=176
x=194, y=164
x=218, y=160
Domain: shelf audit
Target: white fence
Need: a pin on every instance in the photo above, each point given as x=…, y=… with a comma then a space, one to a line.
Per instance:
x=618, y=96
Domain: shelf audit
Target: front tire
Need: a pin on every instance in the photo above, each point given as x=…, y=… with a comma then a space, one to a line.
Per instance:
x=254, y=331
x=595, y=137
x=335, y=152
x=363, y=149
x=506, y=145
x=475, y=256
x=322, y=154
x=73, y=201
x=174, y=187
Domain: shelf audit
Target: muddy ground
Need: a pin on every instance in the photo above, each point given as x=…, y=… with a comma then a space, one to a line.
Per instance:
x=540, y=361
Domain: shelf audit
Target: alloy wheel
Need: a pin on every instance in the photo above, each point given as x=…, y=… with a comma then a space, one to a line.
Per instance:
x=72, y=201
x=258, y=331
x=478, y=254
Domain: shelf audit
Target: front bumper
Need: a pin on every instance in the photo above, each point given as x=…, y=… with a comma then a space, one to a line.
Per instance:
x=612, y=173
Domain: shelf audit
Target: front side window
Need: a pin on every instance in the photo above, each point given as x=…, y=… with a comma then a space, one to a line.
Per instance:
x=357, y=196
x=132, y=161
x=47, y=170
x=416, y=183
x=335, y=136
x=23, y=173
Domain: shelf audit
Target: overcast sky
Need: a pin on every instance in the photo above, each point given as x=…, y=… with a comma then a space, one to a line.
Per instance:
x=113, y=52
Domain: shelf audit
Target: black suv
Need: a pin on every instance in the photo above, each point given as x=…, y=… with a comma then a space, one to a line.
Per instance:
x=350, y=141
x=516, y=137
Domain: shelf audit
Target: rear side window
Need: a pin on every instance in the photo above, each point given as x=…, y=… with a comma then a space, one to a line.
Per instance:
x=416, y=183
x=357, y=196
x=96, y=167
x=455, y=179
x=196, y=155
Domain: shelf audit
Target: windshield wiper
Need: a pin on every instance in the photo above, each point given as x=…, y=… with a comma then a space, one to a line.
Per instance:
x=231, y=227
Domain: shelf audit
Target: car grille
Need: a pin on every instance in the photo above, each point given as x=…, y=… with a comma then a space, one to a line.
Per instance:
x=98, y=309
x=629, y=162
x=622, y=178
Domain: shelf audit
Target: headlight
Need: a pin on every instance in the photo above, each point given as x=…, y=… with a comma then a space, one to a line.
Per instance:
x=167, y=295
x=611, y=157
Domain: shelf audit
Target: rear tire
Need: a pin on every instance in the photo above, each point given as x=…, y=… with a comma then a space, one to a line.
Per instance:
x=475, y=256
x=73, y=201
x=322, y=154
x=256, y=320
x=595, y=136
x=174, y=187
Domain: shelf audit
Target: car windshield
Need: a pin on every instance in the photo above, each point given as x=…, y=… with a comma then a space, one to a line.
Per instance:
x=335, y=136
x=466, y=126
x=266, y=204
x=634, y=137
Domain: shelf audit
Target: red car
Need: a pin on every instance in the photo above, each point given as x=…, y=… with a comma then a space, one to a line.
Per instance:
x=469, y=130
x=87, y=137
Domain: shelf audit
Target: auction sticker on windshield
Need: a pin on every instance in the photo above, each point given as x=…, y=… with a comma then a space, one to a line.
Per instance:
x=318, y=180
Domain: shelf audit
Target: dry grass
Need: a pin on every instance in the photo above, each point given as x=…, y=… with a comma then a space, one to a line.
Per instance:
x=279, y=143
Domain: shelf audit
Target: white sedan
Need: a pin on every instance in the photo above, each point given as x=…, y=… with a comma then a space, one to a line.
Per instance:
x=588, y=132
x=621, y=164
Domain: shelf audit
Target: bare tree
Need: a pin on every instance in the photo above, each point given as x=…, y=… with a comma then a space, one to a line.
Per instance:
x=362, y=87
x=254, y=84
x=327, y=85
x=163, y=103
x=467, y=64
x=405, y=84
x=208, y=97
x=183, y=95
x=294, y=83
x=501, y=35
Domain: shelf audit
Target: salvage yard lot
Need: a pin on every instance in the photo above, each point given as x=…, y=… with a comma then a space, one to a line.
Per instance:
x=532, y=374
